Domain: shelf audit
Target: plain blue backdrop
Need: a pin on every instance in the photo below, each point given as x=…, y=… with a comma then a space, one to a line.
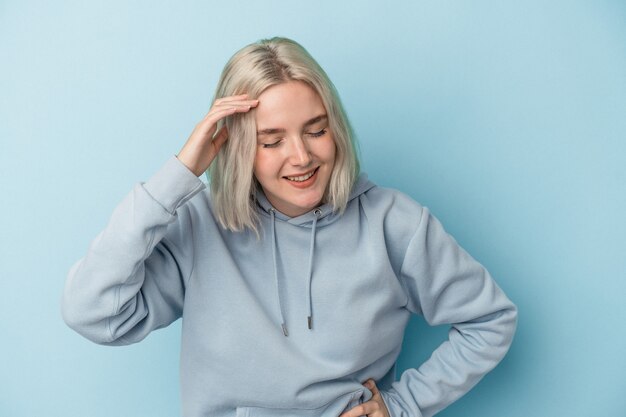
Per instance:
x=506, y=119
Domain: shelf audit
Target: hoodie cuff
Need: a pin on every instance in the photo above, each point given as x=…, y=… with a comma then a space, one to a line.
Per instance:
x=173, y=185
x=394, y=405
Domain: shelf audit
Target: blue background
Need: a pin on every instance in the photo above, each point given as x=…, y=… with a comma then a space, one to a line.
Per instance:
x=507, y=119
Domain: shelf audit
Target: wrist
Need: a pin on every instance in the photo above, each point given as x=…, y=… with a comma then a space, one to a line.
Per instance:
x=184, y=160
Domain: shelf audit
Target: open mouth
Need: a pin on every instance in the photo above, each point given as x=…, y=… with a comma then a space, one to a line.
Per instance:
x=302, y=178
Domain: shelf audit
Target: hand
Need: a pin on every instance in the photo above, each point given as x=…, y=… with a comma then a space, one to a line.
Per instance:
x=375, y=407
x=203, y=144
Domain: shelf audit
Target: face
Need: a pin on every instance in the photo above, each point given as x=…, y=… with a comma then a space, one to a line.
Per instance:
x=295, y=148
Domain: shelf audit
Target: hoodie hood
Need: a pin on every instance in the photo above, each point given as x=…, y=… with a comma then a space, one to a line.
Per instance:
x=318, y=217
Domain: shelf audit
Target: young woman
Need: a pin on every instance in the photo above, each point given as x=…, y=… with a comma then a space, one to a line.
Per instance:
x=295, y=275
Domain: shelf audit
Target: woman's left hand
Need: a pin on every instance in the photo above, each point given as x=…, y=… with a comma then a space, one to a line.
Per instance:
x=375, y=407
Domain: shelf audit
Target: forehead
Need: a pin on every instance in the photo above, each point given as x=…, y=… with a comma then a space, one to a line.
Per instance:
x=287, y=105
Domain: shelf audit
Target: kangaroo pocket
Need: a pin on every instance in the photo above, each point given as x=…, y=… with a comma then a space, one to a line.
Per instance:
x=332, y=409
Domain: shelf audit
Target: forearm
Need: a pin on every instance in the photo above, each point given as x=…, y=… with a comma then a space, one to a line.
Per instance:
x=472, y=350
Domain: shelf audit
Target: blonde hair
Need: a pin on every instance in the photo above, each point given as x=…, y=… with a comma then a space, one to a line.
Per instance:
x=252, y=70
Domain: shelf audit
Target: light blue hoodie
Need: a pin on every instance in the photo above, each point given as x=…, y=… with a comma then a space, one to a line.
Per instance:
x=294, y=323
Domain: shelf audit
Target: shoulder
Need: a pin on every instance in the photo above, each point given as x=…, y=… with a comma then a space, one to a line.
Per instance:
x=392, y=218
x=394, y=213
x=392, y=204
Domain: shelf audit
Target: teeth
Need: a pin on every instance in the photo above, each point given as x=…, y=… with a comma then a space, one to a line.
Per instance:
x=302, y=177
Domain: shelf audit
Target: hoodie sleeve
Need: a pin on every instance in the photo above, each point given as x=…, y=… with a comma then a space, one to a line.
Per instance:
x=132, y=279
x=447, y=286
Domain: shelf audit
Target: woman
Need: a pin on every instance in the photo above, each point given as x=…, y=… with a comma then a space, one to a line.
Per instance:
x=295, y=276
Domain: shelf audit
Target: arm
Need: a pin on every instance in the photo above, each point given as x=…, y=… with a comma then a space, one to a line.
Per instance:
x=446, y=285
x=132, y=279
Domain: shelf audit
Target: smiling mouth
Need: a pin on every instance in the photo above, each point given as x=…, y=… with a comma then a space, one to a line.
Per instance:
x=302, y=178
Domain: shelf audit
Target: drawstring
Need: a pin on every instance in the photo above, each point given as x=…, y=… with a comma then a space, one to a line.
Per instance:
x=280, y=306
x=310, y=316
x=317, y=213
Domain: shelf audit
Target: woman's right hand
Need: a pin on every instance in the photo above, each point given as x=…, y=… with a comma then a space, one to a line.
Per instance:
x=203, y=143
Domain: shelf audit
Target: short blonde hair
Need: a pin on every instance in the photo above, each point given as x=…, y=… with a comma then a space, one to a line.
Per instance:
x=252, y=70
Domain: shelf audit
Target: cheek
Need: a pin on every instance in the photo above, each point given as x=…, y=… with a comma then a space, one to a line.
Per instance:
x=263, y=165
x=331, y=150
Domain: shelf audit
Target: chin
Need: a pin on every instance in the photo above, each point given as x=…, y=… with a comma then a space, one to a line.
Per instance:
x=305, y=205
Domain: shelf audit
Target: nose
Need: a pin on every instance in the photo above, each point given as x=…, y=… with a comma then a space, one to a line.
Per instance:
x=299, y=152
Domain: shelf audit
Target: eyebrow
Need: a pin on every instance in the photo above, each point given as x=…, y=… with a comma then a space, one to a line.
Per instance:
x=309, y=122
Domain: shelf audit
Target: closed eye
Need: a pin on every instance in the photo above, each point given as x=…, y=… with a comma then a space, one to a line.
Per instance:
x=318, y=134
x=271, y=145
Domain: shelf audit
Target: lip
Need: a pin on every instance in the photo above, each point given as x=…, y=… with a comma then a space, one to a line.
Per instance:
x=300, y=175
x=303, y=184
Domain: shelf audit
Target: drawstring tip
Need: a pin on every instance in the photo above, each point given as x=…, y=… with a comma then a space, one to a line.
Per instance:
x=285, y=329
x=309, y=319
